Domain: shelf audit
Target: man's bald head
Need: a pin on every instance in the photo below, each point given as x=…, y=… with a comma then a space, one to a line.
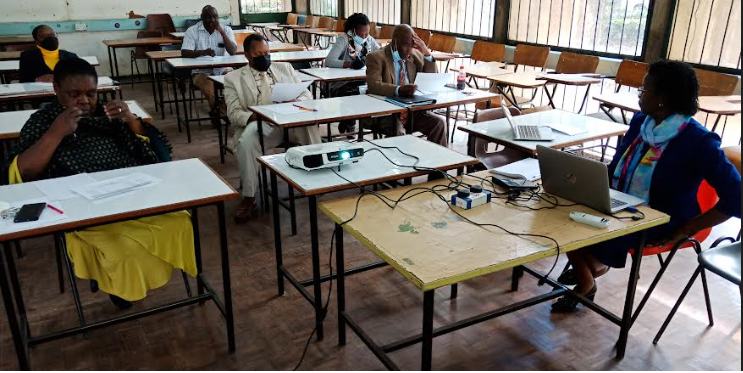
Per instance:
x=210, y=18
x=402, y=40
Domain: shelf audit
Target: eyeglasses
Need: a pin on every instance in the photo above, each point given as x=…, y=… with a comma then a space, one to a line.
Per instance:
x=641, y=91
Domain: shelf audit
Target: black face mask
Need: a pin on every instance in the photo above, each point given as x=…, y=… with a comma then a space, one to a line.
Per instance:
x=261, y=63
x=50, y=43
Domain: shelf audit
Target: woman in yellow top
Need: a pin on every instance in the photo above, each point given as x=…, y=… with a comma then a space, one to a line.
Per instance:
x=37, y=65
x=76, y=134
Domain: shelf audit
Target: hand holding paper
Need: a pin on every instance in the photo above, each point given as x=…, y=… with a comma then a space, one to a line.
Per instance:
x=285, y=92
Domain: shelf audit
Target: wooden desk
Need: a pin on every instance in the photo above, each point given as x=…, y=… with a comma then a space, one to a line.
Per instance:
x=500, y=132
x=205, y=188
x=13, y=66
x=15, y=40
x=720, y=106
x=302, y=56
x=276, y=46
x=16, y=92
x=11, y=122
x=112, y=45
x=281, y=31
x=9, y=56
x=370, y=170
x=326, y=75
x=318, y=33
x=624, y=101
x=577, y=80
x=182, y=34
x=429, y=243
x=505, y=83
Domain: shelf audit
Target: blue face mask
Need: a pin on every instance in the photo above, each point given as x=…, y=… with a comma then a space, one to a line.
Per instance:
x=359, y=40
x=396, y=55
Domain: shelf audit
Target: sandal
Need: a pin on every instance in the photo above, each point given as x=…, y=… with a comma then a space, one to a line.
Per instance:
x=569, y=303
x=245, y=212
x=568, y=278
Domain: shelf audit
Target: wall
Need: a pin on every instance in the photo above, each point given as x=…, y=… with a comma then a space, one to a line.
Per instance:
x=102, y=15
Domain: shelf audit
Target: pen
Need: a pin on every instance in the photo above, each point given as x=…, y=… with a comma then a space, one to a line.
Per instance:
x=304, y=108
x=55, y=209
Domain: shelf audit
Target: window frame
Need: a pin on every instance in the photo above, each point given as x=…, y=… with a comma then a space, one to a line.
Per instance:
x=337, y=9
x=465, y=36
x=639, y=57
x=240, y=8
x=347, y=13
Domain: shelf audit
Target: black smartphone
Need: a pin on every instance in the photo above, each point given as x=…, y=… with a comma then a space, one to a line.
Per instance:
x=220, y=45
x=29, y=213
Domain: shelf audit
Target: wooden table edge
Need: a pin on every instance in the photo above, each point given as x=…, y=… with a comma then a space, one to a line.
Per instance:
x=533, y=152
x=333, y=119
x=449, y=104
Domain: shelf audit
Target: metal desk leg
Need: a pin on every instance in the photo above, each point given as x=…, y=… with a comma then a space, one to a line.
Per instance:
x=174, y=80
x=550, y=96
x=629, y=301
x=448, y=112
x=341, y=284
x=15, y=332
x=292, y=210
x=427, y=336
x=277, y=232
x=316, y=284
x=717, y=121
x=116, y=65
x=185, y=110
x=161, y=97
x=151, y=70
x=264, y=177
x=15, y=283
x=111, y=63
x=226, y=278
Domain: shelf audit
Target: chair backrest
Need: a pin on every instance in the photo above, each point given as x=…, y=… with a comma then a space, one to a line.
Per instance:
x=386, y=32
x=139, y=52
x=326, y=23
x=631, y=73
x=160, y=22
x=19, y=47
x=340, y=25
x=292, y=18
x=715, y=84
x=311, y=21
x=442, y=43
x=529, y=55
x=733, y=154
x=190, y=22
x=493, y=114
x=484, y=51
x=425, y=35
x=373, y=30
x=574, y=63
x=240, y=38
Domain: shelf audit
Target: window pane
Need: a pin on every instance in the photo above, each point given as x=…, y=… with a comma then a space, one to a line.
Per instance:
x=265, y=6
x=324, y=7
x=706, y=32
x=611, y=26
x=379, y=11
x=467, y=17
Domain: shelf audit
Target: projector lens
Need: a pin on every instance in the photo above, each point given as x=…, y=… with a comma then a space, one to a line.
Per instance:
x=345, y=155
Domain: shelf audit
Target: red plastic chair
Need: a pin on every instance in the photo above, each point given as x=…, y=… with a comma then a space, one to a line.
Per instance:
x=707, y=199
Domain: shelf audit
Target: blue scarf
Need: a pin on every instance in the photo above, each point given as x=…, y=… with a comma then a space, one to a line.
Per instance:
x=634, y=172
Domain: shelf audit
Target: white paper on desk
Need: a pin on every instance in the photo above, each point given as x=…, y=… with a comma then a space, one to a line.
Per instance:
x=432, y=82
x=567, y=129
x=287, y=109
x=117, y=186
x=47, y=215
x=61, y=189
x=528, y=168
x=105, y=80
x=212, y=58
x=284, y=92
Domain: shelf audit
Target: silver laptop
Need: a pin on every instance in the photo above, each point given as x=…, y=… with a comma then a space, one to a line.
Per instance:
x=528, y=132
x=581, y=180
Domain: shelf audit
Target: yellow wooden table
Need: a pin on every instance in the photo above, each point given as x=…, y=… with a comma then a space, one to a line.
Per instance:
x=432, y=246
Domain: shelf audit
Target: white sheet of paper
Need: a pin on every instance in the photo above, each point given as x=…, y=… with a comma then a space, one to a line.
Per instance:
x=432, y=82
x=61, y=189
x=116, y=186
x=566, y=128
x=211, y=58
x=105, y=80
x=283, y=92
x=528, y=168
x=287, y=109
x=47, y=216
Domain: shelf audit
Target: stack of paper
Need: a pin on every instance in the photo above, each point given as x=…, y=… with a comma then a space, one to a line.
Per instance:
x=116, y=186
x=62, y=189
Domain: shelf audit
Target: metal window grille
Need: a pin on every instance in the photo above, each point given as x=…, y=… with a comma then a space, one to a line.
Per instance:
x=465, y=17
x=327, y=8
x=706, y=32
x=380, y=11
x=264, y=6
x=616, y=27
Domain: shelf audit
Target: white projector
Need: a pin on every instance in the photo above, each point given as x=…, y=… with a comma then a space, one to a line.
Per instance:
x=328, y=155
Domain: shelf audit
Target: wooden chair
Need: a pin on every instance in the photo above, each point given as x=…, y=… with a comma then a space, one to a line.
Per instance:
x=160, y=22
x=326, y=23
x=292, y=18
x=340, y=25
x=310, y=21
x=425, y=35
x=386, y=32
x=529, y=55
x=574, y=63
x=139, y=53
x=630, y=74
x=442, y=43
x=715, y=84
x=373, y=30
x=501, y=157
x=484, y=51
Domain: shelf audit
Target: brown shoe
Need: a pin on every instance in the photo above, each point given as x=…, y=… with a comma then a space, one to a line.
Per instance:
x=245, y=211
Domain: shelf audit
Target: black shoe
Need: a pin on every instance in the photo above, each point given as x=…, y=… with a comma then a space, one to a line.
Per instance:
x=568, y=278
x=121, y=303
x=569, y=304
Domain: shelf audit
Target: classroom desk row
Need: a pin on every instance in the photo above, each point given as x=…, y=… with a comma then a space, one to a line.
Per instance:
x=12, y=66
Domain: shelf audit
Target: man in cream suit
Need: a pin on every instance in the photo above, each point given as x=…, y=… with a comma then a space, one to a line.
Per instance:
x=251, y=85
x=391, y=71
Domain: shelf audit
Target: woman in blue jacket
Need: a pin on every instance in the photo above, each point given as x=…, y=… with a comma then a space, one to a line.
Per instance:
x=663, y=158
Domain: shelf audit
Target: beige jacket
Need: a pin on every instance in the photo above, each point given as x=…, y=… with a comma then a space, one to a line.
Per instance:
x=380, y=70
x=241, y=91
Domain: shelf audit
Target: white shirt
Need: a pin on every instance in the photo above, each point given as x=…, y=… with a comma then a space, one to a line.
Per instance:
x=197, y=38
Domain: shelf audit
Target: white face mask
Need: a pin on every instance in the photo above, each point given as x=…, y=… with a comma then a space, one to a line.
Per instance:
x=359, y=40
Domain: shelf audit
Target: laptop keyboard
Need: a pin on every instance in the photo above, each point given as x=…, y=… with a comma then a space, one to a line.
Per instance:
x=617, y=203
x=528, y=132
